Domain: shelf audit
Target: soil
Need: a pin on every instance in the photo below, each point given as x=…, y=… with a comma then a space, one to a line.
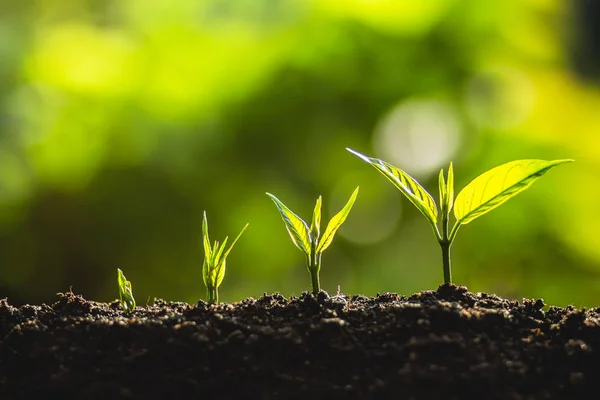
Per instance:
x=444, y=344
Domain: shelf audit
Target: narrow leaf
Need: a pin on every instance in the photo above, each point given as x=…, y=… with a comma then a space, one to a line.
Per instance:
x=492, y=188
x=219, y=254
x=315, y=226
x=335, y=223
x=234, y=242
x=296, y=227
x=413, y=191
x=450, y=188
x=205, y=238
x=442, y=185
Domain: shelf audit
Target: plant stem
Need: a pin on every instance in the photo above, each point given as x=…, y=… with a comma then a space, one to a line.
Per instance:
x=316, y=286
x=446, y=243
x=213, y=295
x=446, y=261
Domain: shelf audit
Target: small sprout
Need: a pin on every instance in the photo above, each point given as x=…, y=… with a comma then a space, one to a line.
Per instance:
x=125, y=292
x=309, y=239
x=484, y=193
x=213, y=269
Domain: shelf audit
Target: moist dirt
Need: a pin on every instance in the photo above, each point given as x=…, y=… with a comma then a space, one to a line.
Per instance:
x=443, y=344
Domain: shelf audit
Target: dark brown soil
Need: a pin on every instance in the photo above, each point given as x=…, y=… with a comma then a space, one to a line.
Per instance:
x=444, y=344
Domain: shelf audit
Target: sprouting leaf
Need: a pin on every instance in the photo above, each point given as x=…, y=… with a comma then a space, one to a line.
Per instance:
x=335, y=223
x=125, y=292
x=205, y=238
x=413, y=191
x=443, y=188
x=450, y=188
x=492, y=188
x=234, y=242
x=315, y=226
x=296, y=227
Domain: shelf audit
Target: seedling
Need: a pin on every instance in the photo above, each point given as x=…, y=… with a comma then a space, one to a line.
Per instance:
x=309, y=240
x=484, y=193
x=215, y=257
x=125, y=292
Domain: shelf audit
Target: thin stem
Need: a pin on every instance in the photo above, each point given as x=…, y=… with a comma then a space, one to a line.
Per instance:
x=446, y=261
x=446, y=243
x=453, y=232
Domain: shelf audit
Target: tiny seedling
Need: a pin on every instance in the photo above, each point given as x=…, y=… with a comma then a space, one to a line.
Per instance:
x=484, y=193
x=309, y=240
x=125, y=292
x=213, y=269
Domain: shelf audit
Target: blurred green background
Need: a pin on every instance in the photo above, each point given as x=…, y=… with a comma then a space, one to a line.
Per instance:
x=122, y=121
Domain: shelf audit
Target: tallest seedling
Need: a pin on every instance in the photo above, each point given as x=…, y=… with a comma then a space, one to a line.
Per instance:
x=484, y=193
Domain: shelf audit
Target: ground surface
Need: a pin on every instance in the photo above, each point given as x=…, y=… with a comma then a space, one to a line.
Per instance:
x=444, y=344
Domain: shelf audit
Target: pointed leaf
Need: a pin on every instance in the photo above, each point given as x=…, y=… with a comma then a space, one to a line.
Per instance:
x=218, y=251
x=315, y=226
x=413, y=191
x=296, y=227
x=234, y=242
x=205, y=238
x=442, y=186
x=492, y=188
x=335, y=223
x=450, y=188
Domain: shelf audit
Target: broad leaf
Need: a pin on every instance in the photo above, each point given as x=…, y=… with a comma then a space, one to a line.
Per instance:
x=296, y=227
x=220, y=273
x=492, y=188
x=315, y=226
x=406, y=184
x=335, y=223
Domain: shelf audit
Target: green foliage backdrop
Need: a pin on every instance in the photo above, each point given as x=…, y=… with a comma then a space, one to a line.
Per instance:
x=122, y=121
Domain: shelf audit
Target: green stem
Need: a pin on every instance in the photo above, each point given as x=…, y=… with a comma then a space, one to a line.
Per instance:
x=446, y=242
x=213, y=295
x=316, y=286
x=446, y=261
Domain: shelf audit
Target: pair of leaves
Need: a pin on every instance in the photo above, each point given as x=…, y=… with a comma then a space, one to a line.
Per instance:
x=484, y=193
x=125, y=292
x=215, y=257
x=306, y=238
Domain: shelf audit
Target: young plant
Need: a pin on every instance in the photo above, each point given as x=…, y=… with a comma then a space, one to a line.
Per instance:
x=309, y=239
x=125, y=292
x=484, y=193
x=213, y=269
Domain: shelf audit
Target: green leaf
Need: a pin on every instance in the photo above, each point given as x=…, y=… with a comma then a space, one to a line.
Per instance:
x=205, y=238
x=125, y=292
x=450, y=188
x=406, y=184
x=315, y=226
x=443, y=188
x=492, y=188
x=234, y=242
x=296, y=227
x=335, y=223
